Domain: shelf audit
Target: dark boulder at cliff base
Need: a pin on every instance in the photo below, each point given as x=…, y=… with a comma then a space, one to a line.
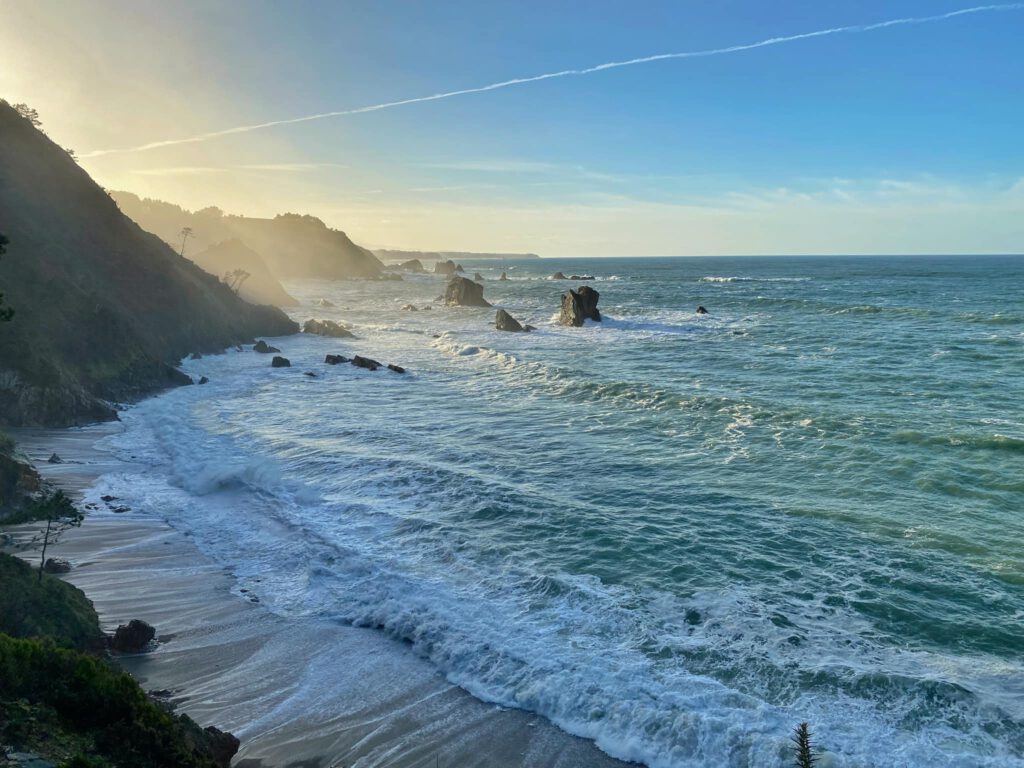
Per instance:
x=56, y=565
x=280, y=362
x=579, y=305
x=503, y=321
x=445, y=268
x=327, y=328
x=103, y=307
x=558, y=276
x=463, y=292
x=365, y=362
x=263, y=348
x=132, y=637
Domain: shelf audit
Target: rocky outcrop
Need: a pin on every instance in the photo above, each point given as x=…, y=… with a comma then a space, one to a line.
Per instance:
x=221, y=745
x=412, y=265
x=263, y=348
x=396, y=368
x=327, y=328
x=701, y=311
x=335, y=359
x=581, y=277
x=445, y=268
x=504, y=276
x=280, y=362
x=365, y=362
x=477, y=277
x=503, y=321
x=133, y=637
x=459, y=269
x=578, y=306
x=558, y=276
x=56, y=565
x=463, y=292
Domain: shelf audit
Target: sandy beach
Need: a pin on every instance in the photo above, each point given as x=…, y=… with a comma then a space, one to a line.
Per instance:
x=228, y=661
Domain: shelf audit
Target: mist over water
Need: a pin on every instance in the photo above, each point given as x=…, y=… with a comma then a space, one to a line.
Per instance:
x=678, y=535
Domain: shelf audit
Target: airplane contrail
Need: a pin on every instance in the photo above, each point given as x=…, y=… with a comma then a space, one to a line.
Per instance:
x=856, y=28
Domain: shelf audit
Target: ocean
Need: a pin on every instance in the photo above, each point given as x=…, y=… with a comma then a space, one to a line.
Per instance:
x=678, y=535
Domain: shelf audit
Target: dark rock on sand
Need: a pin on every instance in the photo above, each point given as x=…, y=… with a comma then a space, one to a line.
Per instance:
x=558, y=276
x=280, y=362
x=701, y=311
x=463, y=292
x=365, y=362
x=578, y=306
x=445, y=268
x=54, y=459
x=396, y=368
x=132, y=637
x=263, y=348
x=56, y=565
x=477, y=277
x=335, y=359
x=503, y=321
x=327, y=328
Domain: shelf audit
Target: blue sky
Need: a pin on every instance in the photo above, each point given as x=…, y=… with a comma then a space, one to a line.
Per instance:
x=903, y=139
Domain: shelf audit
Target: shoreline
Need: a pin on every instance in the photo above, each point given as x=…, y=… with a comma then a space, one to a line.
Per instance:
x=227, y=661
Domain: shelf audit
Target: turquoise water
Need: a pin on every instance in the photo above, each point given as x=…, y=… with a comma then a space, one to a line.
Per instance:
x=678, y=535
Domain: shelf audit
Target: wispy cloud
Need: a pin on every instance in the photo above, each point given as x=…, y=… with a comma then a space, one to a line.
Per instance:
x=850, y=29
x=194, y=170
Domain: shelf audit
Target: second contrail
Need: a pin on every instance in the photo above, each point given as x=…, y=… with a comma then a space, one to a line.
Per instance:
x=563, y=73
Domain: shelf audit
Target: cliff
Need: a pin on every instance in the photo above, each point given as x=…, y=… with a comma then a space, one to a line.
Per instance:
x=259, y=287
x=103, y=309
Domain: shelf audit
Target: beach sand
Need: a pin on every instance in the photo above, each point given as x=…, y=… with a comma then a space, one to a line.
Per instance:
x=366, y=699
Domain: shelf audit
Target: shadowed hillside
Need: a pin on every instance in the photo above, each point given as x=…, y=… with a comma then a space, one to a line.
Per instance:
x=103, y=308
x=258, y=285
x=291, y=245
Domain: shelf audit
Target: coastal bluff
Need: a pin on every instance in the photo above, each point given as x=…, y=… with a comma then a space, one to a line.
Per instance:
x=103, y=309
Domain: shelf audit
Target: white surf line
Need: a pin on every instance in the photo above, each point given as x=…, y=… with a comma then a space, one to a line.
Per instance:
x=856, y=28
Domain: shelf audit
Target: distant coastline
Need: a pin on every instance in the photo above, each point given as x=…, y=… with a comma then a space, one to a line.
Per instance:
x=387, y=254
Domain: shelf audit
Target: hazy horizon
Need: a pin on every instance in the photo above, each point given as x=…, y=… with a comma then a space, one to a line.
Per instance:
x=657, y=130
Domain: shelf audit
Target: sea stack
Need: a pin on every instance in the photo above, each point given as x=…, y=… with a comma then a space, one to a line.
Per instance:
x=463, y=292
x=504, y=276
x=503, y=321
x=445, y=268
x=579, y=305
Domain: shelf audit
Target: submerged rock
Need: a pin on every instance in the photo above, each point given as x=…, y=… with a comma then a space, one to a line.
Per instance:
x=335, y=359
x=263, y=348
x=280, y=362
x=396, y=368
x=701, y=311
x=132, y=637
x=578, y=306
x=311, y=374
x=365, y=362
x=203, y=380
x=503, y=321
x=327, y=328
x=54, y=459
x=581, y=277
x=463, y=292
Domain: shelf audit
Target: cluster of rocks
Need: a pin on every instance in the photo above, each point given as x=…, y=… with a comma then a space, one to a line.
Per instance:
x=362, y=362
x=561, y=276
x=263, y=348
x=448, y=268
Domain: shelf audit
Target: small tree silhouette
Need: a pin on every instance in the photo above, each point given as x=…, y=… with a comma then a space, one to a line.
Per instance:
x=29, y=114
x=235, y=278
x=186, y=233
x=60, y=515
x=805, y=757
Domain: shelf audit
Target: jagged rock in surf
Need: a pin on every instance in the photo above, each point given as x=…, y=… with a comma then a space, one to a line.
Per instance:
x=558, y=276
x=504, y=276
x=445, y=268
x=132, y=637
x=203, y=380
x=578, y=306
x=263, y=348
x=458, y=268
x=477, y=277
x=54, y=459
x=396, y=368
x=701, y=311
x=280, y=362
x=335, y=359
x=222, y=745
x=581, y=277
x=327, y=328
x=365, y=362
x=503, y=321
x=323, y=303
x=463, y=292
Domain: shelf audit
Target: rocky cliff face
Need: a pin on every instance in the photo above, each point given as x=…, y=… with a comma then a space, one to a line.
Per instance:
x=104, y=310
x=578, y=306
x=463, y=292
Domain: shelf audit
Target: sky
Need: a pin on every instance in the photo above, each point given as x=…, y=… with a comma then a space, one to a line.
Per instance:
x=904, y=138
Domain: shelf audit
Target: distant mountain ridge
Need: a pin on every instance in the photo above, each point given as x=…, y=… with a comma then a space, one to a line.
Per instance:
x=290, y=245
x=104, y=310
x=388, y=253
x=258, y=285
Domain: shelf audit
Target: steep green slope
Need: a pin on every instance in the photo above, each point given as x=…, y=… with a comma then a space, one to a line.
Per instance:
x=103, y=308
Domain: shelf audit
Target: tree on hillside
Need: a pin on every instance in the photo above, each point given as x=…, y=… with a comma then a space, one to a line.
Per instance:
x=29, y=114
x=6, y=313
x=186, y=233
x=235, y=278
x=60, y=515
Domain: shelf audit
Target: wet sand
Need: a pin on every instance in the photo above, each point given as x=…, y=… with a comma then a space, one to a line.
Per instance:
x=367, y=700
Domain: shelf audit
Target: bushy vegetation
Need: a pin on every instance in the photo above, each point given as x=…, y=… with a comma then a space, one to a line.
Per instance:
x=84, y=705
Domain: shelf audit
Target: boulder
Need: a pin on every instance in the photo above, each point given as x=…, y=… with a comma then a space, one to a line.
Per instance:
x=132, y=637
x=463, y=292
x=335, y=359
x=409, y=308
x=56, y=565
x=579, y=305
x=396, y=368
x=263, y=348
x=203, y=380
x=327, y=328
x=701, y=311
x=54, y=459
x=558, y=276
x=445, y=268
x=412, y=265
x=477, y=277
x=365, y=362
x=222, y=745
x=504, y=276
x=503, y=321
x=280, y=362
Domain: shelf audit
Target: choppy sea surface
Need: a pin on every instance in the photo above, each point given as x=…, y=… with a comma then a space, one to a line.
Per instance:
x=677, y=535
